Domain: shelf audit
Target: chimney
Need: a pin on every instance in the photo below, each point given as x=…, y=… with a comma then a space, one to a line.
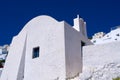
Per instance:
x=80, y=25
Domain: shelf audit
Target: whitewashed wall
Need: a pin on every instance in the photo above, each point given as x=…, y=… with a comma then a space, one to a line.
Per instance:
x=60, y=51
x=97, y=55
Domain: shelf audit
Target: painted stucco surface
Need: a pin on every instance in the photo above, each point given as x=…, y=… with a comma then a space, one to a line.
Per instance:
x=48, y=34
x=73, y=51
x=101, y=62
x=97, y=55
x=59, y=54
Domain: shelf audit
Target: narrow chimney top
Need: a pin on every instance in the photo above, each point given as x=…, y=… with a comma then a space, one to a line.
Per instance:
x=78, y=16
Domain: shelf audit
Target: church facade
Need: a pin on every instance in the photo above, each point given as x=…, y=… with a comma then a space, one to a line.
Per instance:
x=46, y=49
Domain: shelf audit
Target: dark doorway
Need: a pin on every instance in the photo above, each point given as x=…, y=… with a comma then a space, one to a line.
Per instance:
x=82, y=44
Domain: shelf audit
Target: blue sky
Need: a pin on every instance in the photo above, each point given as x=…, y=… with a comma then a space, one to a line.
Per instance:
x=100, y=15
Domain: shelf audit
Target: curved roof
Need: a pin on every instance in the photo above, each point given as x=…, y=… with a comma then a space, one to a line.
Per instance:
x=43, y=17
x=36, y=20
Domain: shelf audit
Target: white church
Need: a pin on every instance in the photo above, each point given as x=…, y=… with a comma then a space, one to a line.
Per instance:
x=46, y=49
